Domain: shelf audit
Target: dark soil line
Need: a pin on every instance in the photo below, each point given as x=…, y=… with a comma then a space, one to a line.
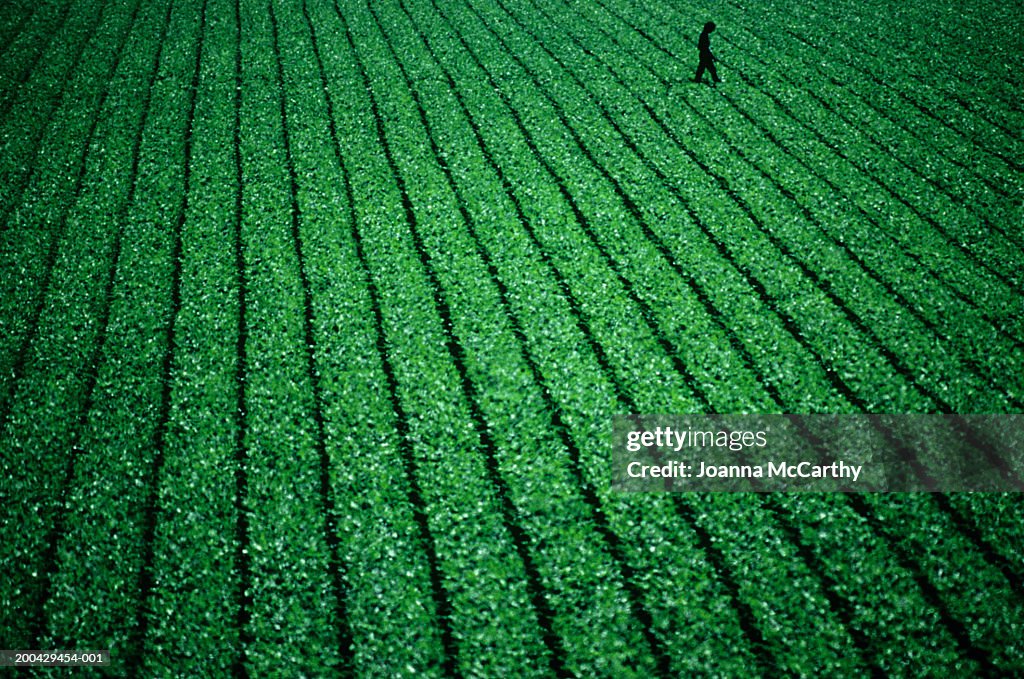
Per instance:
x=59, y=231
x=1011, y=571
x=135, y=648
x=763, y=655
x=519, y=538
x=336, y=566
x=843, y=608
x=588, y=492
x=243, y=562
x=50, y=563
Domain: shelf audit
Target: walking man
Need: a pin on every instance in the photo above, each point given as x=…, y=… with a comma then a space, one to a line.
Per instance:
x=707, y=59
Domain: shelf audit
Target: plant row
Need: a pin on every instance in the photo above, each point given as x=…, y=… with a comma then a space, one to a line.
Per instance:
x=649, y=568
x=50, y=403
x=771, y=217
x=102, y=574
x=934, y=116
x=38, y=67
x=32, y=227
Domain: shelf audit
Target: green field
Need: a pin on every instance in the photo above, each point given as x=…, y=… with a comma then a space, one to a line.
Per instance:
x=315, y=314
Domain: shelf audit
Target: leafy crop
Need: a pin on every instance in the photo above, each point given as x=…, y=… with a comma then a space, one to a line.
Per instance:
x=315, y=316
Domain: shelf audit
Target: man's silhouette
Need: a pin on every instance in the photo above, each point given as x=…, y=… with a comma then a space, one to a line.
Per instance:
x=707, y=59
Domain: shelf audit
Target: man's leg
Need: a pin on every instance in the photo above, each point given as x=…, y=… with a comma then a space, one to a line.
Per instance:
x=713, y=72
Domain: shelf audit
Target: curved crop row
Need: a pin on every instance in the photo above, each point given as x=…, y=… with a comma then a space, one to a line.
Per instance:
x=104, y=558
x=492, y=616
x=26, y=107
x=198, y=553
x=393, y=603
x=61, y=372
x=293, y=619
x=30, y=239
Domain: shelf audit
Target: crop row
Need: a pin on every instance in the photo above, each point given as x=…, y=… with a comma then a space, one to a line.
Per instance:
x=512, y=278
x=102, y=575
x=32, y=233
x=46, y=419
x=196, y=573
x=817, y=252
x=42, y=61
x=754, y=71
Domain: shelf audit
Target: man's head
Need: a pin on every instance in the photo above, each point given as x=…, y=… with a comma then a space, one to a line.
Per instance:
x=709, y=26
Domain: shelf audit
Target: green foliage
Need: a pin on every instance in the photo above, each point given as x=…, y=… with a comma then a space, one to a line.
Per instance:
x=315, y=316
